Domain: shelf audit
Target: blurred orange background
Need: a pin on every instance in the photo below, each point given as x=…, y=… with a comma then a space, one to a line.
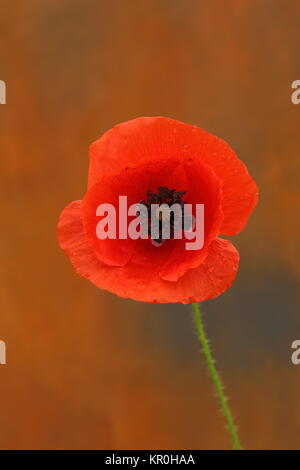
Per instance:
x=86, y=369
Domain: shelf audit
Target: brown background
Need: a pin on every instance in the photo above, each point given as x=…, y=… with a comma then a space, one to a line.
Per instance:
x=87, y=369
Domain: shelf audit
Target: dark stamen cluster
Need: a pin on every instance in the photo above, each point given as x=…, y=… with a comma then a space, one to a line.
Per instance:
x=163, y=196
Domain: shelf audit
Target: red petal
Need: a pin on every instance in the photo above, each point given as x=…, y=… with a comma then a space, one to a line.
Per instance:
x=133, y=182
x=203, y=188
x=209, y=280
x=132, y=141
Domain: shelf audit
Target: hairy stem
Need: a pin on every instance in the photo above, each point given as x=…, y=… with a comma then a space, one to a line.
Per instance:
x=218, y=386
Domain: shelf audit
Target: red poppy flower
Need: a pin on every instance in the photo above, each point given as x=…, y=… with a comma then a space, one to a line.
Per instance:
x=143, y=155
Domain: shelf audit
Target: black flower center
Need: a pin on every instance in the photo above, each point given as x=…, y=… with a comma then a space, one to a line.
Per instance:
x=164, y=198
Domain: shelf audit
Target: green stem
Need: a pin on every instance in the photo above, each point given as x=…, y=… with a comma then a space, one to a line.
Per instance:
x=219, y=389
